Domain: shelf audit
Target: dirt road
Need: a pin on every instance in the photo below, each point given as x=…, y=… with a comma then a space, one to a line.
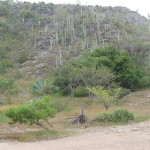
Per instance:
x=127, y=137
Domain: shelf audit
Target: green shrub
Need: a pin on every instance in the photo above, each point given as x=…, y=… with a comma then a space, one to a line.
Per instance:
x=2, y=68
x=65, y=91
x=118, y=116
x=103, y=117
x=5, y=64
x=23, y=57
x=32, y=113
x=3, y=118
x=81, y=91
x=7, y=86
x=121, y=115
x=2, y=53
x=144, y=82
x=27, y=13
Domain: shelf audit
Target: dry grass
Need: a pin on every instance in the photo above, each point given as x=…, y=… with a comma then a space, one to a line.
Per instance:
x=138, y=102
x=5, y=107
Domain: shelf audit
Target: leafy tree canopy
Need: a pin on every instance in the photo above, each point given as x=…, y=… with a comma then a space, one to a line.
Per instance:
x=36, y=112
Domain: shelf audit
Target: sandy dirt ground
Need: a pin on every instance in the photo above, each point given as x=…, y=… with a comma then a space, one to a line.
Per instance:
x=127, y=137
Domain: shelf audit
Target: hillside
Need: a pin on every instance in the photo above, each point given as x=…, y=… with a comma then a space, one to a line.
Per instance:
x=64, y=67
x=38, y=38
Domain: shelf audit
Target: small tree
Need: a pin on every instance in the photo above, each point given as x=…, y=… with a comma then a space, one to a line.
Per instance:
x=97, y=77
x=106, y=96
x=32, y=113
x=73, y=79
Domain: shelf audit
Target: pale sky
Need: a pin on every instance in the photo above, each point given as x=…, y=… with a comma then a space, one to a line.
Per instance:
x=143, y=6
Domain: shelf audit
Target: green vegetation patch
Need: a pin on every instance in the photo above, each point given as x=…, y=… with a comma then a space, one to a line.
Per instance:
x=141, y=118
x=118, y=116
x=36, y=135
x=3, y=118
x=31, y=113
x=81, y=91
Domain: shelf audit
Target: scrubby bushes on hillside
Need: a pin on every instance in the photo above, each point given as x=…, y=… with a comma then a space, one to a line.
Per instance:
x=7, y=86
x=23, y=57
x=101, y=67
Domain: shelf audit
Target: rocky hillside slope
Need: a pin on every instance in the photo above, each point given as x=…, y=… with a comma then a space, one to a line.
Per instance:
x=40, y=37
